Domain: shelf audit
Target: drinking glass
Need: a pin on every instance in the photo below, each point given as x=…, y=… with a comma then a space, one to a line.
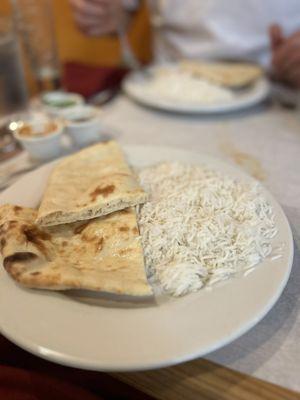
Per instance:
x=13, y=93
x=35, y=21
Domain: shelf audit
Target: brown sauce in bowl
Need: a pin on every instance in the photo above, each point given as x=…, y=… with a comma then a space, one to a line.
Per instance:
x=27, y=131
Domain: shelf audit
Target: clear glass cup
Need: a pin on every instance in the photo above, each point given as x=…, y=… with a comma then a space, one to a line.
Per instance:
x=13, y=91
x=35, y=22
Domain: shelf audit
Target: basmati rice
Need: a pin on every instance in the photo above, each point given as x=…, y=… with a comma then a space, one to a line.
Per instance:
x=201, y=226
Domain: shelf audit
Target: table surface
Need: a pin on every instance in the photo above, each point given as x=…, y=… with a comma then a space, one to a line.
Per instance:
x=265, y=142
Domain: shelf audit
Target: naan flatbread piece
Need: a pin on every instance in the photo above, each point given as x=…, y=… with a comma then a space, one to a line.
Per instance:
x=101, y=254
x=232, y=75
x=93, y=182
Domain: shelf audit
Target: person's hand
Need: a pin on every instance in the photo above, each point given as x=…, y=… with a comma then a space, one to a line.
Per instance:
x=285, y=56
x=98, y=17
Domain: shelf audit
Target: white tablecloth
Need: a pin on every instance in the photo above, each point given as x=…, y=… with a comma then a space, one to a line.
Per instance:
x=266, y=143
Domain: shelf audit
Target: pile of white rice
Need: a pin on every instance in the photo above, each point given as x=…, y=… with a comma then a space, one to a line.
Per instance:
x=200, y=226
x=179, y=86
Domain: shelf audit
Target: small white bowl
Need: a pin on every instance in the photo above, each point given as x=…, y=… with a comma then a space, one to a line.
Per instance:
x=40, y=146
x=56, y=102
x=83, y=123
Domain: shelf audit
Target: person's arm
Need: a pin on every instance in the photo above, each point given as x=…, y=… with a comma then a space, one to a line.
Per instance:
x=102, y=17
x=285, y=56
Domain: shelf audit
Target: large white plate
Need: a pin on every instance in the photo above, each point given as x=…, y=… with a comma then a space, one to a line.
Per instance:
x=133, y=86
x=114, y=336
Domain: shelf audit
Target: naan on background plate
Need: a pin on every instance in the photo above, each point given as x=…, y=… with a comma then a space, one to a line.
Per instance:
x=229, y=74
x=101, y=254
x=93, y=182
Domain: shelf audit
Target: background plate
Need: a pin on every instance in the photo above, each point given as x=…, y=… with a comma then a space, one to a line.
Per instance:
x=133, y=85
x=109, y=337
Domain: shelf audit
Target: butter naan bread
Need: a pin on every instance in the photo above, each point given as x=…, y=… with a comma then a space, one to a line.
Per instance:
x=101, y=254
x=93, y=182
x=234, y=75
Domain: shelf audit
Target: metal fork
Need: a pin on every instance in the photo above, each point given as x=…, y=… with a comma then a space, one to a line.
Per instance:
x=128, y=57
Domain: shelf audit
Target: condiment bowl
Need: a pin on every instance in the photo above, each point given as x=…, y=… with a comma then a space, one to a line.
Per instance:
x=40, y=136
x=83, y=124
x=56, y=102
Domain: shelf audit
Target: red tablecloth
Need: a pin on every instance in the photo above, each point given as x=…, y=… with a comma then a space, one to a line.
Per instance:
x=26, y=377
x=88, y=80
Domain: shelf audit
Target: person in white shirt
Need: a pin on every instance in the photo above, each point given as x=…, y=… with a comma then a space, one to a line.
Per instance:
x=267, y=32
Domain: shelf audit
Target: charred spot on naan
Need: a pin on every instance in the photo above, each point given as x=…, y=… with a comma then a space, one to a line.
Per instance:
x=102, y=191
x=81, y=228
x=34, y=234
x=36, y=237
x=124, y=229
x=21, y=257
x=99, y=244
x=17, y=209
x=98, y=241
x=2, y=244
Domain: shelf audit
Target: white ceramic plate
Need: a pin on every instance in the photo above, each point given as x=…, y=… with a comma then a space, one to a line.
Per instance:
x=112, y=336
x=134, y=85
